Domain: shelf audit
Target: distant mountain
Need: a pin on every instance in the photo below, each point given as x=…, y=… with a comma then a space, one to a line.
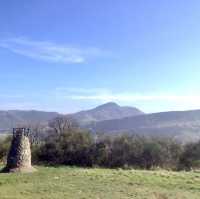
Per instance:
x=112, y=118
x=10, y=119
x=13, y=118
x=106, y=111
x=181, y=125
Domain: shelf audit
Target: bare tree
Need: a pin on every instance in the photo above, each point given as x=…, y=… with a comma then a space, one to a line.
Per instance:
x=37, y=131
x=62, y=124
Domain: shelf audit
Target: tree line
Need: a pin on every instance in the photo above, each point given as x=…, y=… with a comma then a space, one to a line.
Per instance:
x=64, y=143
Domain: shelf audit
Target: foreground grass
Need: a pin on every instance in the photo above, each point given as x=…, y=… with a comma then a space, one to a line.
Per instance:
x=79, y=183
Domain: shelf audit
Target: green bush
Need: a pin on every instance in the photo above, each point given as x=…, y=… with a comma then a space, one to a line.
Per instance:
x=190, y=158
x=69, y=148
x=4, y=147
x=76, y=147
x=79, y=148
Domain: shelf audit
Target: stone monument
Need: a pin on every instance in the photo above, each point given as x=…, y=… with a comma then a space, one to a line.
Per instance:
x=19, y=156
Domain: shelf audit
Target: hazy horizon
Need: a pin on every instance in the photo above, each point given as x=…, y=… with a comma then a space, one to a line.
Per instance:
x=93, y=107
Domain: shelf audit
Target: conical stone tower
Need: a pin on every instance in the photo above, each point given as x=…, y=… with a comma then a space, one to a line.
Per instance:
x=19, y=157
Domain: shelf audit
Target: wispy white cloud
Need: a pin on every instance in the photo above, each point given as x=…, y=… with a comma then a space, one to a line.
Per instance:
x=49, y=51
x=179, y=101
x=74, y=99
x=136, y=97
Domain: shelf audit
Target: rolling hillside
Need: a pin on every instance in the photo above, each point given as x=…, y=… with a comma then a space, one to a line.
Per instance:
x=181, y=125
x=10, y=119
x=112, y=118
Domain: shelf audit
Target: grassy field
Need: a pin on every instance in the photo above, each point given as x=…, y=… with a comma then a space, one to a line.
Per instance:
x=79, y=183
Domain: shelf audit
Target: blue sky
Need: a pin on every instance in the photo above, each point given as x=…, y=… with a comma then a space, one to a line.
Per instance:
x=71, y=55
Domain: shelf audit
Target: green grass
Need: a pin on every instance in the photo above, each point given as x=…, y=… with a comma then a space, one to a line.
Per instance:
x=79, y=183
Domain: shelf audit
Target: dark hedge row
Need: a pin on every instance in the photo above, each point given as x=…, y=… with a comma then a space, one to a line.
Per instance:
x=125, y=151
x=75, y=147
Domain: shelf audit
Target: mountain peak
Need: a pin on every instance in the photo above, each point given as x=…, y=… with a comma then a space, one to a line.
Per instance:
x=108, y=105
x=106, y=111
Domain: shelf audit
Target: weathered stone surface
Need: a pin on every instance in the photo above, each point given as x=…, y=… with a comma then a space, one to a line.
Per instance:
x=19, y=157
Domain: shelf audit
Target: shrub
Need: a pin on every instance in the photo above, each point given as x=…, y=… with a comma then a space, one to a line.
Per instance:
x=190, y=158
x=69, y=148
x=4, y=147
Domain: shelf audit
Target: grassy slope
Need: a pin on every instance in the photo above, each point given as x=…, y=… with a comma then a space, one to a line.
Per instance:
x=78, y=183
